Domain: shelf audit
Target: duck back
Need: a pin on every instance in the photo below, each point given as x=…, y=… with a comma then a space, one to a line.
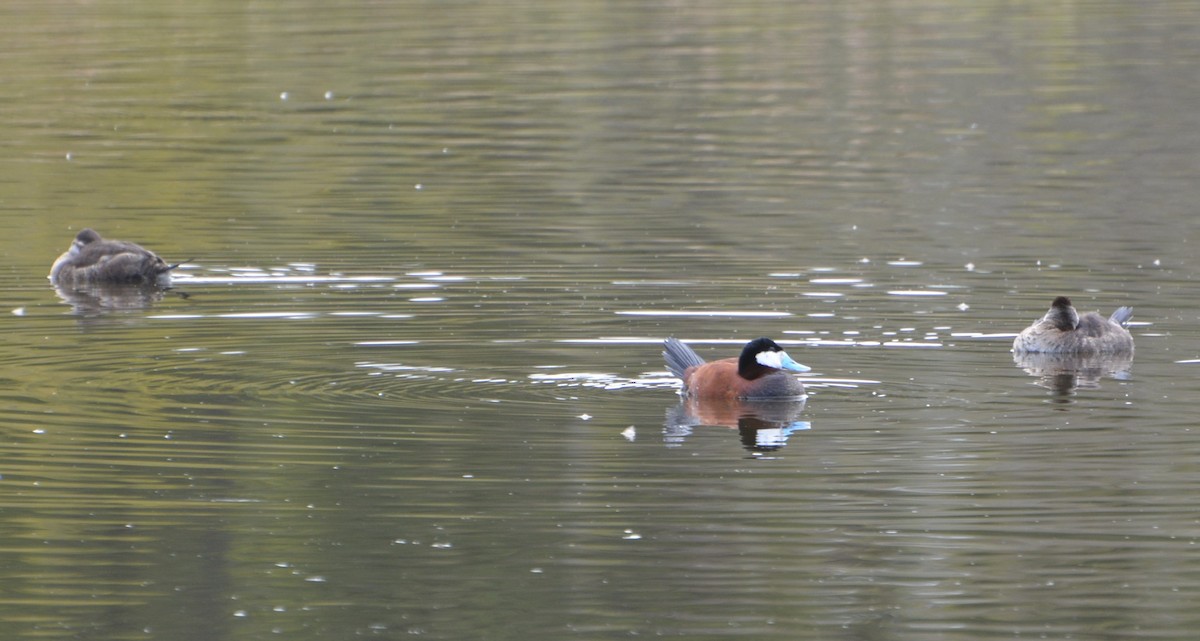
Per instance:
x=92, y=259
x=1063, y=331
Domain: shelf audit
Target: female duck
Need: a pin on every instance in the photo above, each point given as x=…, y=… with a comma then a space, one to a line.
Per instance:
x=1063, y=331
x=758, y=373
x=92, y=259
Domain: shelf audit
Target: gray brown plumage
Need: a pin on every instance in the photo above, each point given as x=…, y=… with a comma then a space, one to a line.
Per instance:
x=1062, y=330
x=92, y=259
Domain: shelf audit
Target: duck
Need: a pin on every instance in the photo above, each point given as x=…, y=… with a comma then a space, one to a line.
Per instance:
x=92, y=259
x=1062, y=330
x=760, y=372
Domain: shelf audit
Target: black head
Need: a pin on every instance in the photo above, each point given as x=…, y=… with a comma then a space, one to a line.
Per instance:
x=1062, y=314
x=748, y=366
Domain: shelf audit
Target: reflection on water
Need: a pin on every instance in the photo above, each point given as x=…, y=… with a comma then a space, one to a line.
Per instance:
x=415, y=388
x=1064, y=373
x=764, y=426
x=93, y=299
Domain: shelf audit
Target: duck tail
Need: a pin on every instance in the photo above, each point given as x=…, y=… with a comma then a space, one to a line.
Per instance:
x=1122, y=316
x=679, y=357
x=182, y=262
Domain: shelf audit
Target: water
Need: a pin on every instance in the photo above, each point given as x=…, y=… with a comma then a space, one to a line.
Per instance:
x=409, y=382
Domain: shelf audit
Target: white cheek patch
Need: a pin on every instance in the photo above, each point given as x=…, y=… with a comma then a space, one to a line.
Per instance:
x=770, y=359
x=780, y=360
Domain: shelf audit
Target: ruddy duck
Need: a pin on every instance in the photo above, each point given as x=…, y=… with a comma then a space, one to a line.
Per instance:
x=1063, y=331
x=758, y=373
x=92, y=259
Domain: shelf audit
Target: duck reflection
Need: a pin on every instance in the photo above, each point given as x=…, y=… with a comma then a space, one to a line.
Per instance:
x=763, y=425
x=1064, y=373
x=94, y=299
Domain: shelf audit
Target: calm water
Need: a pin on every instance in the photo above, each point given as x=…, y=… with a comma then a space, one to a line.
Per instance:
x=409, y=383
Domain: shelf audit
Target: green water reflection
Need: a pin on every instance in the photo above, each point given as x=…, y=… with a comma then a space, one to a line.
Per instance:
x=410, y=383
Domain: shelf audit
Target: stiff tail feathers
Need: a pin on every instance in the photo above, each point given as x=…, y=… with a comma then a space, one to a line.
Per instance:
x=679, y=357
x=1122, y=316
x=182, y=262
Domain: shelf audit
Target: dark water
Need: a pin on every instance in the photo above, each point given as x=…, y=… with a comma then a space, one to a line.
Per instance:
x=409, y=382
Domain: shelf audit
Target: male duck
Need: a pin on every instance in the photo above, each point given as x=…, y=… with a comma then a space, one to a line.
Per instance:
x=761, y=372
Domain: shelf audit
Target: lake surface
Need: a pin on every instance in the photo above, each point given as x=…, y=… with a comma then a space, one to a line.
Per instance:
x=409, y=382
